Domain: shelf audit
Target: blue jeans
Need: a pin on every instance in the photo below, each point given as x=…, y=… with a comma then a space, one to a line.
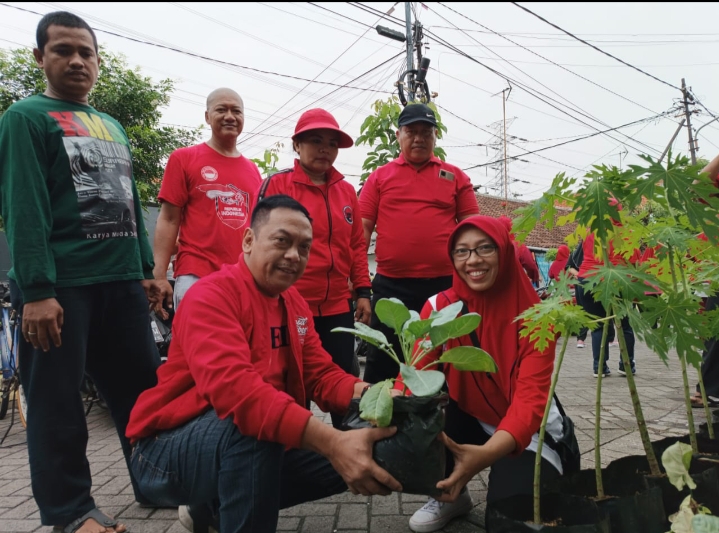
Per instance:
x=107, y=334
x=596, y=308
x=247, y=481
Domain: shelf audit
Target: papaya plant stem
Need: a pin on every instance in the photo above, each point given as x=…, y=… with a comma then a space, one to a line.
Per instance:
x=683, y=361
x=636, y=404
x=542, y=430
x=598, y=413
x=707, y=412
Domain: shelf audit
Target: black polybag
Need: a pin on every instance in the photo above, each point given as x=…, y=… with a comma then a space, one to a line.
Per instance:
x=413, y=455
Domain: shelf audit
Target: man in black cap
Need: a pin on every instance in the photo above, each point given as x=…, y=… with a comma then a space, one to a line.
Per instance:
x=414, y=203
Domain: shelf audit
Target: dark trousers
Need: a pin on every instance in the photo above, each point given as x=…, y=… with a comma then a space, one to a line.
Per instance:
x=246, y=481
x=413, y=293
x=106, y=333
x=596, y=308
x=510, y=476
x=340, y=346
x=710, y=357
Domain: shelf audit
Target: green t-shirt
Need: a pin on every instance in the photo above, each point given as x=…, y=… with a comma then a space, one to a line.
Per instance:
x=67, y=196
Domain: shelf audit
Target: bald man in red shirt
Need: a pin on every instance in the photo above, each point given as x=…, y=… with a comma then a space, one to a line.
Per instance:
x=414, y=203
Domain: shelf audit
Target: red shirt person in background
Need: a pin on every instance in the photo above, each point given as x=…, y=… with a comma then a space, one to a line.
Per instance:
x=526, y=259
x=414, y=202
x=339, y=251
x=207, y=195
x=559, y=262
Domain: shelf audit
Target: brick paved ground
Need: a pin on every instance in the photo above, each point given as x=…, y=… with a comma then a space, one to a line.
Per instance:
x=659, y=390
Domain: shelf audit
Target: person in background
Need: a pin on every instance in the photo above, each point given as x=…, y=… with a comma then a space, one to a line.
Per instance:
x=339, y=251
x=206, y=197
x=492, y=419
x=524, y=254
x=414, y=202
x=226, y=431
x=81, y=278
x=560, y=261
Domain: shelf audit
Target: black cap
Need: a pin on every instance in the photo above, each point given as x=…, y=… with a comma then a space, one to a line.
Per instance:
x=416, y=113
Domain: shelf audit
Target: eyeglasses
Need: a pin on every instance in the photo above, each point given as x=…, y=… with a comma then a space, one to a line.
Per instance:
x=483, y=250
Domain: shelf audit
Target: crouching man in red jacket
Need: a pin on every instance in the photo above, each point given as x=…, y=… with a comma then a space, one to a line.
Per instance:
x=225, y=430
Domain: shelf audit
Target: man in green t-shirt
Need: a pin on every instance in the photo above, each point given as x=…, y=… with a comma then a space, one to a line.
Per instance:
x=82, y=269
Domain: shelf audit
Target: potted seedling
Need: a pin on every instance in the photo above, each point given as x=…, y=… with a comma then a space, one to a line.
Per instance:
x=413, y=455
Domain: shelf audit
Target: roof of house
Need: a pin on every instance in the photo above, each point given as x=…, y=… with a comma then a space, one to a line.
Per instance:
x=540, y=237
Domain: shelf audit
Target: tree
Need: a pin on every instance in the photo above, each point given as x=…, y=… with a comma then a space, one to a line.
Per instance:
x=268, y=162
x=134, y=100
x=380, y=128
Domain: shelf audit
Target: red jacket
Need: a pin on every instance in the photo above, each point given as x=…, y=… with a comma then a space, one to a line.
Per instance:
x=220, y=346
x=339, y=251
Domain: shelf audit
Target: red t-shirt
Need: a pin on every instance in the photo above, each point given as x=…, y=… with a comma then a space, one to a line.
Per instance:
x=414, y=212
x=276, y=371
x=216, y=194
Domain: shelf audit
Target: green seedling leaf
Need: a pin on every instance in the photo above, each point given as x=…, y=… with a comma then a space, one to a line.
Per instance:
x=421, y=382
x=418, y=328
x=676, y=460
x=682, y=519
x=462, y=325
x=704, y=523
x=376, y=404
x=392, y=313
x=366, y=333
x=469, y=358
x=446, y=314
x=551, y=317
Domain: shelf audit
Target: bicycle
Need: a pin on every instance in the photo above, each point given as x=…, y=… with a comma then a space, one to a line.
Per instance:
x=11, y=386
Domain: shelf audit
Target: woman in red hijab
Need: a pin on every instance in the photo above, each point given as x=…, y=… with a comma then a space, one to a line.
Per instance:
x=492, y=418
x=559, y=262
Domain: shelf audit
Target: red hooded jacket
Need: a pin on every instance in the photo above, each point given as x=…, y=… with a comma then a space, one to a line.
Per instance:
x=513, y=398
x=220, y=347
x=339, y=251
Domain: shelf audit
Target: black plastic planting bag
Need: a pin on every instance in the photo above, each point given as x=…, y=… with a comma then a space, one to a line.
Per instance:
x=413, y=455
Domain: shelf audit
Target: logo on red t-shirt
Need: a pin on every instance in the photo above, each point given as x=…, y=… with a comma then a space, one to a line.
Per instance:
x=301, y=323
x=209, y=173
x=348, y=214
x=231, y=203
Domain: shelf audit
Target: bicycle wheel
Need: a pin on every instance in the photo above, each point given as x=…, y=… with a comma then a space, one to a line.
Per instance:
x=21, y=403
x=4, y=399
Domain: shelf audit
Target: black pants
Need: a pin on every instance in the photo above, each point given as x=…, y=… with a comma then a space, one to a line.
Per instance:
x=341, y=346
x=412, y=292
x=107, y=334
x=510, y=476
x=710, y=357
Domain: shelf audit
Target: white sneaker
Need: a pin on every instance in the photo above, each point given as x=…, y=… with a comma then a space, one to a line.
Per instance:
x=435, y=515
x=183, y=512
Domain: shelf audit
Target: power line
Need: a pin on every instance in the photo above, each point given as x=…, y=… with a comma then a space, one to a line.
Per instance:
x=571, y=141
x=549, y=60
x=596, y=48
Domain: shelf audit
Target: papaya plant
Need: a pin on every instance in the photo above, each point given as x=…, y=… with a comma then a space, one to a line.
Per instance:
x=418, y=338
x=660, y=298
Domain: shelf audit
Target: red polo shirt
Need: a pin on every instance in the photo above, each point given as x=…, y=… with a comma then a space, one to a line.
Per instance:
x=415, y=211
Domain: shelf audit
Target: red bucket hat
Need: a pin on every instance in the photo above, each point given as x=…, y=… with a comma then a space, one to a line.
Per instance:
x=319, y=119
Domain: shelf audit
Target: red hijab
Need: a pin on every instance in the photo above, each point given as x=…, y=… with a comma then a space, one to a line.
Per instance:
x=511, y=294
x=559, y=262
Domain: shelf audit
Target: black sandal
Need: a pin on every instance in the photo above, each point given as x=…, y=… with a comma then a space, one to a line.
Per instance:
x=96, y=514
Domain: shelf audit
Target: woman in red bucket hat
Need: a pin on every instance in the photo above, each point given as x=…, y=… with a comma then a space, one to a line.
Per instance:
x=339, y=252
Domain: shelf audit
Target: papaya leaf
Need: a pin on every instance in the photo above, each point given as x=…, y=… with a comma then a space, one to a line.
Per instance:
x=594, y=210
x=469, y=358
x=556, y=315
x=544, y=208
x=462, y=325
x=376, y=404
x=422, y=382
x=374, y=337
x=608, y=283
x=676, y=460
x=392, y=313
x=704, y=523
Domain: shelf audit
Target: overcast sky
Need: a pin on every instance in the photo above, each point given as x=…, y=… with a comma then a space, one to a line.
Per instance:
x=562, y=89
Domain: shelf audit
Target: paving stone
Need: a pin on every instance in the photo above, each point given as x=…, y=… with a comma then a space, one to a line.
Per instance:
x=352, y=516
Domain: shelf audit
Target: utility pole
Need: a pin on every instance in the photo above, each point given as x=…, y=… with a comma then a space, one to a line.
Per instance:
x=686, y=95
x=410, y=46
x=504, y=118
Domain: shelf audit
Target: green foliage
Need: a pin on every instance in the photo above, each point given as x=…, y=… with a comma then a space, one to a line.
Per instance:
x=268, y=162
x=551, y=254
x=380, y=129
x=544, y=208
x=134, y=100
x=418, y=338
